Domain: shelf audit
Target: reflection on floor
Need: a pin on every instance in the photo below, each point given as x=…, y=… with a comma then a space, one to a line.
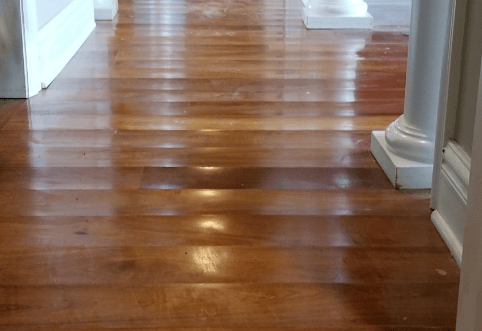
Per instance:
x=206, y=164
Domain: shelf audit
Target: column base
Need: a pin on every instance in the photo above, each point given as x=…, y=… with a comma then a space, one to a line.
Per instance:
x=106, y=11
x=403, y=173
x=313, y=21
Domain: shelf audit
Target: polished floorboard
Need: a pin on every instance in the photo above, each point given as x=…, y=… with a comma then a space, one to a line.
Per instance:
x=206, y=165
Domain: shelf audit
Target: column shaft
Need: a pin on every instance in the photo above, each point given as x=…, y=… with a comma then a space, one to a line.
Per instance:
x=406, y=149
x=426, y=59
x=412, y=136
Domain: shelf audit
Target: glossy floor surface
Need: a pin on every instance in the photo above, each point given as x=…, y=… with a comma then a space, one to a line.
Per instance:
x=205, y=165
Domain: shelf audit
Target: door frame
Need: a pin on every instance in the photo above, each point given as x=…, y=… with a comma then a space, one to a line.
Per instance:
x=30, y=29
x=469, y=313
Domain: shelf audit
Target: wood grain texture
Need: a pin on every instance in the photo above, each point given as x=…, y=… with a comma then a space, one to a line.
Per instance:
x=229, y=305
x=262, y=178
x=208, y=201
x=8, y=109
x=151, y=266
x=285, y=140
x=206, y=165
x=354, y=328
x=220, y=230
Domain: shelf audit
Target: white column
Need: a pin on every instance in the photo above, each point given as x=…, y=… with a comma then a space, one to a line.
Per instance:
x=405, y=150
x=336, y=14
x=105, y=10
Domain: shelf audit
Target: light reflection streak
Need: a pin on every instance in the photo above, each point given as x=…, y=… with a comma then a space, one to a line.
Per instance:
x=347, y=113
x=208, y=193
x=212, y=225
x=208, y=259
x=209, y=168
x=346, y=125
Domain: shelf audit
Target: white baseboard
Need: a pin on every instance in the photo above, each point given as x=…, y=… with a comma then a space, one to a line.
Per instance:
x=450, y=216
x=311, y=21
x=450, y=239
x=14, y=94
x=62, y=37
x=381, y=2
x=388, y=2
x=105, y=10
x=402, y=173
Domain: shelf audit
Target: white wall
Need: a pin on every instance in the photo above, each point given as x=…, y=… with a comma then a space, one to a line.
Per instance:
x=48, y=9
x=62, y=36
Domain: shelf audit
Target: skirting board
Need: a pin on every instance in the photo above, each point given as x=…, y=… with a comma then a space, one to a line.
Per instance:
x=62, y=37
x=14, y=94
x=403, y=174
x=337, y=22
x=452, y=242
x=451, y=213
x=106, y=11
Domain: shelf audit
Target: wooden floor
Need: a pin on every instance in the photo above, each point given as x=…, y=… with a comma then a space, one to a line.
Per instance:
x=205, y=164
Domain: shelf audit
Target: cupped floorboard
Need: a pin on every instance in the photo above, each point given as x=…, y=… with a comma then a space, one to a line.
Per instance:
x=206, y=165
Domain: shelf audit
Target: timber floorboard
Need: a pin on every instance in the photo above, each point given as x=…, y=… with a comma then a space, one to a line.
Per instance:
x=206, y=165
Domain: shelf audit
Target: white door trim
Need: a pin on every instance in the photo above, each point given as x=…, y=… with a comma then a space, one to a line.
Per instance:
x=30, y=42
x=449, y=92
x=469, y=313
